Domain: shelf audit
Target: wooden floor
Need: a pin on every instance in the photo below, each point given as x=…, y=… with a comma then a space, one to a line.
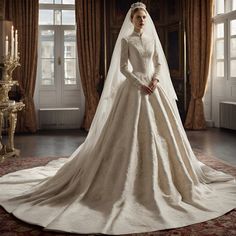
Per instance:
x=220, y=143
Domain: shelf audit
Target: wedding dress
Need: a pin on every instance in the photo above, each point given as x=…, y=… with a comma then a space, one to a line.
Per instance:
x=141, y=175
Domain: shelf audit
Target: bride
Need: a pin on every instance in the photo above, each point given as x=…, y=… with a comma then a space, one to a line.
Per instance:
x=136, y=171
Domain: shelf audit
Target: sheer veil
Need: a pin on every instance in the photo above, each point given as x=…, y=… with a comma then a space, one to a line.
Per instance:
x=115, y=78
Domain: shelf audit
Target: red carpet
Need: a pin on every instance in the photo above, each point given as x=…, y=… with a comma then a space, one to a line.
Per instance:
x=221, y=226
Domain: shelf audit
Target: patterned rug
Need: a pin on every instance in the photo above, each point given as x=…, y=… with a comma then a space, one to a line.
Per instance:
x=222, y=226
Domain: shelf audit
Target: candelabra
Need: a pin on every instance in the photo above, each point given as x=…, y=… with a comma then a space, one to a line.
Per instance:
x=9, y=108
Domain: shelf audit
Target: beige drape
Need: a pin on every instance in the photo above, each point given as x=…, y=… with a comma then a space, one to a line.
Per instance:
x=24, y=14
x=88, y=19
x=199, y=38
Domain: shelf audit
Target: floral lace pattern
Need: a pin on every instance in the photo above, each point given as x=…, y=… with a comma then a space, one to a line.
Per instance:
x=140, y=51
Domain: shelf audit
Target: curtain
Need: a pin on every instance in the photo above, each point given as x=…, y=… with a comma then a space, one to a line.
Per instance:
x=199, y=40
x=24, y=15
x=88, y=19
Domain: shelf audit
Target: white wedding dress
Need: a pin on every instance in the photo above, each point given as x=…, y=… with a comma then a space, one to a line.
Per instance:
x=140, y=176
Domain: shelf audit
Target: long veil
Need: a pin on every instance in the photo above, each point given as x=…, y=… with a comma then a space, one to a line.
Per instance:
x=115, y=78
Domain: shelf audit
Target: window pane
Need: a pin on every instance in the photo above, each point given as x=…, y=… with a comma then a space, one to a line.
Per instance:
x=220, y=69
x=233, y=47
x=47, y=81
x=46, y=1
x=68, y=17
x=70, y=81
x=47, y=43
x=220, y=49
x=232, y=68
x=57, y=14
x=70, y=50
x=70, y=34
x=47, y=33
x=233, y=5
x=233, y=27
x=220, y=8
x=69, y=2
x=220, y=30
x=57, y=1
x=69, y=45
x=47, y=71
x=47, y=49
x=70, y=71
x=46, y=17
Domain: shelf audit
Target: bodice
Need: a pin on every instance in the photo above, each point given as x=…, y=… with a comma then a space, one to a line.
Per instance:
x=140, y=51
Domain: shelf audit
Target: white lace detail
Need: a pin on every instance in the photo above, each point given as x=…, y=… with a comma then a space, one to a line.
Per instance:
x=140, y=51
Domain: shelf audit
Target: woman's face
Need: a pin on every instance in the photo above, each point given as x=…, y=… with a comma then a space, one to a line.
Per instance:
x=139, y=19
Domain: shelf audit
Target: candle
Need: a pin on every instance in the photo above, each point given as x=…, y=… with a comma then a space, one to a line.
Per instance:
x=16, y=44
x=6, y=46
x=12, y=42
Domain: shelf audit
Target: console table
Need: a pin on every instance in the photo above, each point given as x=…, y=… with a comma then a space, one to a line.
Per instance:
x=9, y=108
x=10, y=112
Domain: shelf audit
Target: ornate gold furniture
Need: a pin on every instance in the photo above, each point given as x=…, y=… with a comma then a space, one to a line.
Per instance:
x=9, y=108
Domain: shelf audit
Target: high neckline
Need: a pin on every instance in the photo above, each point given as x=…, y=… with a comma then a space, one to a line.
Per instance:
x=137, y=33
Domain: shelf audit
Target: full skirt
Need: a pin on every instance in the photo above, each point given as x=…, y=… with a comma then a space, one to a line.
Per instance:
x=141, y=176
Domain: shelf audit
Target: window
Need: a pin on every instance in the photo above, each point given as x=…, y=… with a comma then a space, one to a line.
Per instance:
x=58, y=76
x=69, y=57
x=219, y=49
x=47, y=57
x=222, y=83
x=57, y=31
x=225, y=39
x=56, y=17
x=225, y=6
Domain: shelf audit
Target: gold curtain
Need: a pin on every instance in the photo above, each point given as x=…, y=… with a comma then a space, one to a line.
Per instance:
x=24, y=14
x=199, y=39
x=88, y=19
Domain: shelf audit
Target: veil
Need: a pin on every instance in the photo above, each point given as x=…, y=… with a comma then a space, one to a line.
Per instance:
x=115, y=78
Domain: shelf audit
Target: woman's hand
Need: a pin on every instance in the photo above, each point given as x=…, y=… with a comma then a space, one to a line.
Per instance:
x=153, y=84
x=146, y=89
x=151, y=87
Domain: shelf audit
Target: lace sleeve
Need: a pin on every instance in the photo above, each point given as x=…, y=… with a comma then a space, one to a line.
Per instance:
x=124, y=64
x=156, y=63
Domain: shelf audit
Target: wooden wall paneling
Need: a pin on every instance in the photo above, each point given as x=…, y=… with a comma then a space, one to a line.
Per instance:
x=119, y=8
x=174, y=50
x=155, y=9
x=173, y=11
x=2, y=9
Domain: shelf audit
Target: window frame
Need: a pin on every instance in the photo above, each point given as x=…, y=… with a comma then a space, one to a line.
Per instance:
x=56, y=28
x=224, y=18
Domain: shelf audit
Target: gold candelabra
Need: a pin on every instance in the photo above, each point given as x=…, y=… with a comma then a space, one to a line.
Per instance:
x=9, y=108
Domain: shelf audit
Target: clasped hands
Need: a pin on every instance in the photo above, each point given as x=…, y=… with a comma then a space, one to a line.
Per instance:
x=151, y=87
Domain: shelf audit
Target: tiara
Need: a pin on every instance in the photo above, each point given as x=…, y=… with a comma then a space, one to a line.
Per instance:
x=138, y=5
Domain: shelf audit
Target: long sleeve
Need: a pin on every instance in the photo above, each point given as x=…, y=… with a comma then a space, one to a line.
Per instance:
x=124, y=64
x=157, y=65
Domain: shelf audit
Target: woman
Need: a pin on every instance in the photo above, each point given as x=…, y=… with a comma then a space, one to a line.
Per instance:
x=136, y=171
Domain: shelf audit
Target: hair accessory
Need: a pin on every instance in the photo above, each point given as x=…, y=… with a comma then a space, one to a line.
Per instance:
x=138, y=5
